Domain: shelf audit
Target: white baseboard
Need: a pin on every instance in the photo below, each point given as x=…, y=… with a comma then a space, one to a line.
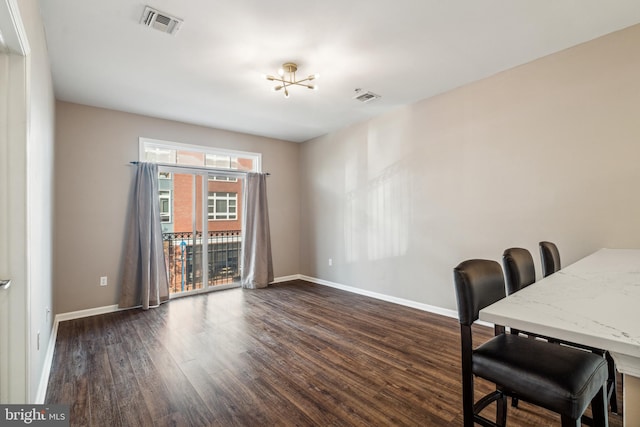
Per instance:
x=46, y=369
x=286, y=278
x=87, y=313
x=401, y=301
x=407, y=303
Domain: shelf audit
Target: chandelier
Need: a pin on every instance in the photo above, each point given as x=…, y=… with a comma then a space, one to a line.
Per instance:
x=287, y=76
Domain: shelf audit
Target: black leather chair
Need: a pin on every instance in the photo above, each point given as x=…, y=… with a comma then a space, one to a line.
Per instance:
x=519, y=269
x=562, y=379
x=519, y=272
x=550, y=257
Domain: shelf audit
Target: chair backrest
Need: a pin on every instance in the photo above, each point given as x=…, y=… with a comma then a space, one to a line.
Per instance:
x=479, y=283
x=550, y=257
x=519, y=269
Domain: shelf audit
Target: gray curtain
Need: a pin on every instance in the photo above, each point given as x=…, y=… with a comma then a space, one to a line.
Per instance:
x=257, y=269
x=145, y=281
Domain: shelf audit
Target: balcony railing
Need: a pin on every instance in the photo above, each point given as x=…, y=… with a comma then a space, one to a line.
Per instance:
x=183, y=253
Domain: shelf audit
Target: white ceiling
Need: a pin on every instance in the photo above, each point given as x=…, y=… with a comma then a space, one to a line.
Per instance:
x=210, y=72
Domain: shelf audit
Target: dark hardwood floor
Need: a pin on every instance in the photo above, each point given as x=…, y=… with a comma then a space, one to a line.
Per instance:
x=292, y=354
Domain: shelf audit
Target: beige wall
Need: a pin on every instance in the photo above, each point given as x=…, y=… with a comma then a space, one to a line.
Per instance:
x=547, y=151
x=92, y=188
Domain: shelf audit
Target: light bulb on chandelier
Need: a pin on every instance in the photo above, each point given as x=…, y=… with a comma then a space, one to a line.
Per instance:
x=287, y=76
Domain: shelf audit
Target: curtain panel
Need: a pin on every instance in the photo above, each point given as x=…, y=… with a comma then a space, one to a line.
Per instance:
x=257, y=271
x=145, y=282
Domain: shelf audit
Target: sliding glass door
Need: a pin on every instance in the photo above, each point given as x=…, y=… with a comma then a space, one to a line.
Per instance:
x=202, y=229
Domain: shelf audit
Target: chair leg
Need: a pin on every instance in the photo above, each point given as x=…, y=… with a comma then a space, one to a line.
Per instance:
x=612, y=383
x=467, y=403
x=599, y=411
x=570, y=422
x=501, y=411
x=467, y=377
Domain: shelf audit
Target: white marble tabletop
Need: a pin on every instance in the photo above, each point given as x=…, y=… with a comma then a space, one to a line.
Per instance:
x=595, y=301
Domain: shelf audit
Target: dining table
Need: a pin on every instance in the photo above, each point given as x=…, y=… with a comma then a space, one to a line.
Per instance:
x=594, y=302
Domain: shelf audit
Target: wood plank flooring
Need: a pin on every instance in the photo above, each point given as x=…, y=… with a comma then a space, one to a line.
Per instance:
x=294, y=354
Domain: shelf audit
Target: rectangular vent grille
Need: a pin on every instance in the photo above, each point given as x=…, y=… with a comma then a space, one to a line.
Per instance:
x=366, y=96
x=160, y=21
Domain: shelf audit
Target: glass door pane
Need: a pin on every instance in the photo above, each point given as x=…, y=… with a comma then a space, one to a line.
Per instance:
x=200, y=231
x=224, y=224
x=180, y=202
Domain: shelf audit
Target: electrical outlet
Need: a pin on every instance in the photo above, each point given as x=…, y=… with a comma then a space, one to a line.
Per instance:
x=38, y=341
x=103, y=281
x=330, y=262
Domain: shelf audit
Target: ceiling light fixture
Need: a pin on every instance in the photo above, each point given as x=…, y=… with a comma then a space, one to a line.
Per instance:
x=287, y=76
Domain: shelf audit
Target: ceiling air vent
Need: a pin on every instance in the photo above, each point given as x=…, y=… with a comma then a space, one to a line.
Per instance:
x=160, y=20
x=365, y=95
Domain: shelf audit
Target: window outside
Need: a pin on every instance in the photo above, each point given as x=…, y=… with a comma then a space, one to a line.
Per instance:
x=165, y=206
x=223, y=206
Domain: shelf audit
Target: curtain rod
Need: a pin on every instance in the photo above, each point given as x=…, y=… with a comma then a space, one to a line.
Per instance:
x=200, y=168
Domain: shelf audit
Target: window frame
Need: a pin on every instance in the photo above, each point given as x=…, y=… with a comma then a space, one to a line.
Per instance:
x=211, y=202
x=217, y=178
x=170, y=213
x=144, y=142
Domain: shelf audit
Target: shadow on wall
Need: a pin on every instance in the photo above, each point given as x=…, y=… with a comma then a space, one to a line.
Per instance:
x=378, y=199
x=377, y=217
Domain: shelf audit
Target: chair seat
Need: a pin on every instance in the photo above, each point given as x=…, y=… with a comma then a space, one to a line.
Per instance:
x=555, y=377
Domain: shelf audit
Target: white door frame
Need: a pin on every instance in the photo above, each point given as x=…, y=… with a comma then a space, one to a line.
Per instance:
x=14, y=302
